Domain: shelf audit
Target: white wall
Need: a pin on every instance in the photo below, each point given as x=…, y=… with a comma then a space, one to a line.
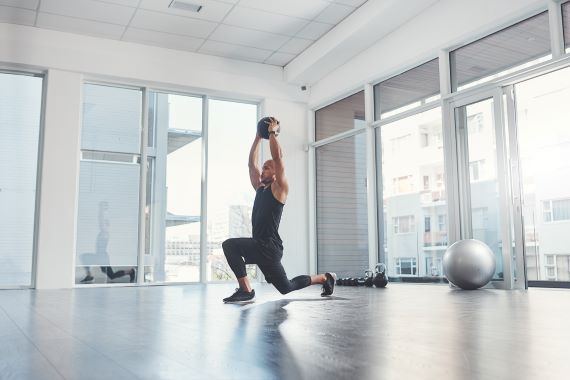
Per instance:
x=447, y=24
x=294, y=223
x=72, y=58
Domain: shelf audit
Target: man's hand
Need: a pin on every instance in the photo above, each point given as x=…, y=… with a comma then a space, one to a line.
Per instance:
x=273, y=125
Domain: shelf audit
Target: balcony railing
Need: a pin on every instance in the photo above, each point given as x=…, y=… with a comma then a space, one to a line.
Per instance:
x=431, y=196
x=435, y=239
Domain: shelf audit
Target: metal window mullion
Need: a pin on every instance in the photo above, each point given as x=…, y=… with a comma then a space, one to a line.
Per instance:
x=404, y=115
x=337, y=137
x=521, y=279
x=444, y=73
x=312, y=201
x=372, y=198
x=142, y=188
x=204, y=193
x=35, y=243
x=451, y=172
x=503, y=180
x=556, y=29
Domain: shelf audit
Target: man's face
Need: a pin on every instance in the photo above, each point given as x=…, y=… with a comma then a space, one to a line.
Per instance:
x=268, y=172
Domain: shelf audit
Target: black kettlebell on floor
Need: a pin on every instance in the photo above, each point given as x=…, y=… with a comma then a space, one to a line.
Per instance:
x=360, y=281
x=263, y=124
x=368, y=278
x=380, y=278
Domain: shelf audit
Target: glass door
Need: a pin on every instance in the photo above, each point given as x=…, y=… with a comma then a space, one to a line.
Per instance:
x=540, y=141
x=483, y=208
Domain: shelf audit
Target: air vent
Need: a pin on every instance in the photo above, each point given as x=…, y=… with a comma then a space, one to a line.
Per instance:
x=185, y=6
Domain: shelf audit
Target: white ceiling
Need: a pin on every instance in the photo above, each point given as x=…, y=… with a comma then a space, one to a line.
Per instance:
x=265, y=31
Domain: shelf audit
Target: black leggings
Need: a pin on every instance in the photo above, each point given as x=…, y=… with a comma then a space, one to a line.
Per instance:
x=113, y=275
x=241, y=251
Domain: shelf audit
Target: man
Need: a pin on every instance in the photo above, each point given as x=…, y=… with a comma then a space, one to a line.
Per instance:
x=265, y=248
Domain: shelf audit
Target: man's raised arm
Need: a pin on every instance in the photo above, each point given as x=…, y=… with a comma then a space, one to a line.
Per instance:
x=254, y=172
x=277, y=156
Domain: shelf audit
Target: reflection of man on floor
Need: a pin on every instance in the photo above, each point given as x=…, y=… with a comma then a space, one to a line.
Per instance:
x=101, y=256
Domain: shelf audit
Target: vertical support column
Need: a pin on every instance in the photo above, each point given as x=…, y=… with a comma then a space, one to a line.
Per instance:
x=372, y=194
x=61, y=146
x=444, y=73
x=449, y=150
x=312, y=193
x=520, y=277
x=204, y=192
x=503, y=182
x=556, y=29
x=142, y=188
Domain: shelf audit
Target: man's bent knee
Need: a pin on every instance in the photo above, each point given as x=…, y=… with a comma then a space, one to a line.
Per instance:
x=227, y=245
x=283, y=289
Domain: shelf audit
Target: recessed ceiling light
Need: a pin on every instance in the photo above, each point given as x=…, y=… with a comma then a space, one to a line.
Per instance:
x=185, y=6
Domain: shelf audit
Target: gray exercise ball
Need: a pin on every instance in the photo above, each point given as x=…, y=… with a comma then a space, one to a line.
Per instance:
x=469, y=264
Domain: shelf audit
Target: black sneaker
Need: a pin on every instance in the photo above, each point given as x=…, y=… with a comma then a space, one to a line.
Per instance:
x=240, y=296
x=87, y=278
x=328, y=286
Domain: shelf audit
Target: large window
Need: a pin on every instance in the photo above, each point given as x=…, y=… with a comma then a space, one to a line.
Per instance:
x=109, y=180
x=342, y=224
x=174, y=174
x=20, y=113
x=524, y=43
x=413, y=195
x=230, y=194
x=340, y=117
x=407, y=90
x=544, y=142
x=109, y=209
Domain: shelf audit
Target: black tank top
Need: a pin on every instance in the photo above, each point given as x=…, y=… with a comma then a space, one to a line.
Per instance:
x=266, y=216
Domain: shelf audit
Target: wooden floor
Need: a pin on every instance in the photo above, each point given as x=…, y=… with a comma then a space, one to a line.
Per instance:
x=185, y=332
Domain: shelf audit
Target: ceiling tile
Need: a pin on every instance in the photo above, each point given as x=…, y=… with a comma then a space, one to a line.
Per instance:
x=172, y=24
x=17, y=16
x=235, y=51
x=295, y=45
x=268, y=22
x=352, y=3
x=212, y=10
x=128, y=3
x=89, y=10
x=74, y=25
x=296, y=8
x=314, y=30
x=248, y=37
x=279, y=59
x=335, y=13
x=165, y=40
x=28, y=4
